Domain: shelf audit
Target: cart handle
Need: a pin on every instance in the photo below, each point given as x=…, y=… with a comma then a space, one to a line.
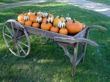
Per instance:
x=74, y=40
x=97, y=26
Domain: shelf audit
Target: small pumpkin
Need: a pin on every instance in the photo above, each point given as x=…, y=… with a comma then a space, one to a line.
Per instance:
x=54, y=29
x=32, y=18
x=50, y=19
x=28, y=23
x=36, y=25
x=20, y=17
x=63, y=31
x=46, y=25
x=74, y=27
x=30, y=13
x=22, y=22
x=51, y=15
x=45, y=14
x=44, y=19
x=57, y=20
x=38, y=19
x=68, y=18
x=26, y=18
x=39, y=14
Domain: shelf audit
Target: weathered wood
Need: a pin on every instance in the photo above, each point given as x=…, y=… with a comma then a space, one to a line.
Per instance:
x=97, y=26
x=74, y=59
x=73, y=40
x=66, y=52
x=80, y=58
x=85, y=46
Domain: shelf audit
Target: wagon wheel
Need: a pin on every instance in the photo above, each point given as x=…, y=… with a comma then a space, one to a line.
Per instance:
x=13, y=34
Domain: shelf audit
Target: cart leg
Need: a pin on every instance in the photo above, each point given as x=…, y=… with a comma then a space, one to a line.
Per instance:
x=84, y=46
x=74, y=59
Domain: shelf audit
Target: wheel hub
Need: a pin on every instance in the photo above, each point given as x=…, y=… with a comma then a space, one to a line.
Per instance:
x=14, y=39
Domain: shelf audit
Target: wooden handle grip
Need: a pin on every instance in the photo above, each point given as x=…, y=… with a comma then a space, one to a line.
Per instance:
x=97, y=26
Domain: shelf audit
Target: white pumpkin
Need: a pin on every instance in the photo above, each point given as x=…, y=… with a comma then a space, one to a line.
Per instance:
x=50, y=19
x=38, y=19
x=68, y=18
x=26, y=18
x=40, y=13
x=45, y=14
x=61, y=24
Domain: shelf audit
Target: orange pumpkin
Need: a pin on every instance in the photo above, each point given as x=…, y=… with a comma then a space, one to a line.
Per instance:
x=57, y=20
x=51, y=15
x=32, y=18
x=74, y=27
x=20, y=17
x=83, y=25
x=44, y=19
x=69, y=22
x=28, y=23
x=36, y=25
x=22, y=22
x=46, y=26
x=31, y=14
x=39, y=15
x=63, y=31
x=54, y=29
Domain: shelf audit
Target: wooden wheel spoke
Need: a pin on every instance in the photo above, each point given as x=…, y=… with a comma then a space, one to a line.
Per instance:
x=10, y=42
x=9, y=30
x=8, y=35
x=17, y=49
x=23, y=43
x=21, y=48
x=12, y=28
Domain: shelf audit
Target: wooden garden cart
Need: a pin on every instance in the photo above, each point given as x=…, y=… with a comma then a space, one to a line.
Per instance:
x=14, y=32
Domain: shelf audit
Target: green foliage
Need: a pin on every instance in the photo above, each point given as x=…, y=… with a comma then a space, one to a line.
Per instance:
x=47, y=63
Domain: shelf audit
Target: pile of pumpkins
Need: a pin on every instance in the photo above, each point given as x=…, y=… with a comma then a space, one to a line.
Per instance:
x=48, y=22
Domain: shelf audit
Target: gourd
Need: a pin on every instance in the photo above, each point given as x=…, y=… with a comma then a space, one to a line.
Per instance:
x=36, y=25
x=46, y=25
x=26, y=18
x=32, y=18
x=54, y=29
x=30, y=13
x=62, y=30
x=50, y=19
x=28, y=23
x=68, y=19
x=38, y=19
x=20, y=17
x=57, y=20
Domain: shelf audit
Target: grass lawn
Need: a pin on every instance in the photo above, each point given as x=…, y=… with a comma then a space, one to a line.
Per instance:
x=102, y=1
x=10, y=1
x=47, y=63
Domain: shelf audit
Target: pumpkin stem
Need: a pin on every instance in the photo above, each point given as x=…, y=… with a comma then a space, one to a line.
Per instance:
x=74, y=20
x=46, y=22
x=54, y=25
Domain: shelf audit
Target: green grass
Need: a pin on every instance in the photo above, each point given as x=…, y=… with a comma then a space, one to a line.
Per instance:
x=102, y=1
x=47, y=63
x=10, y=1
